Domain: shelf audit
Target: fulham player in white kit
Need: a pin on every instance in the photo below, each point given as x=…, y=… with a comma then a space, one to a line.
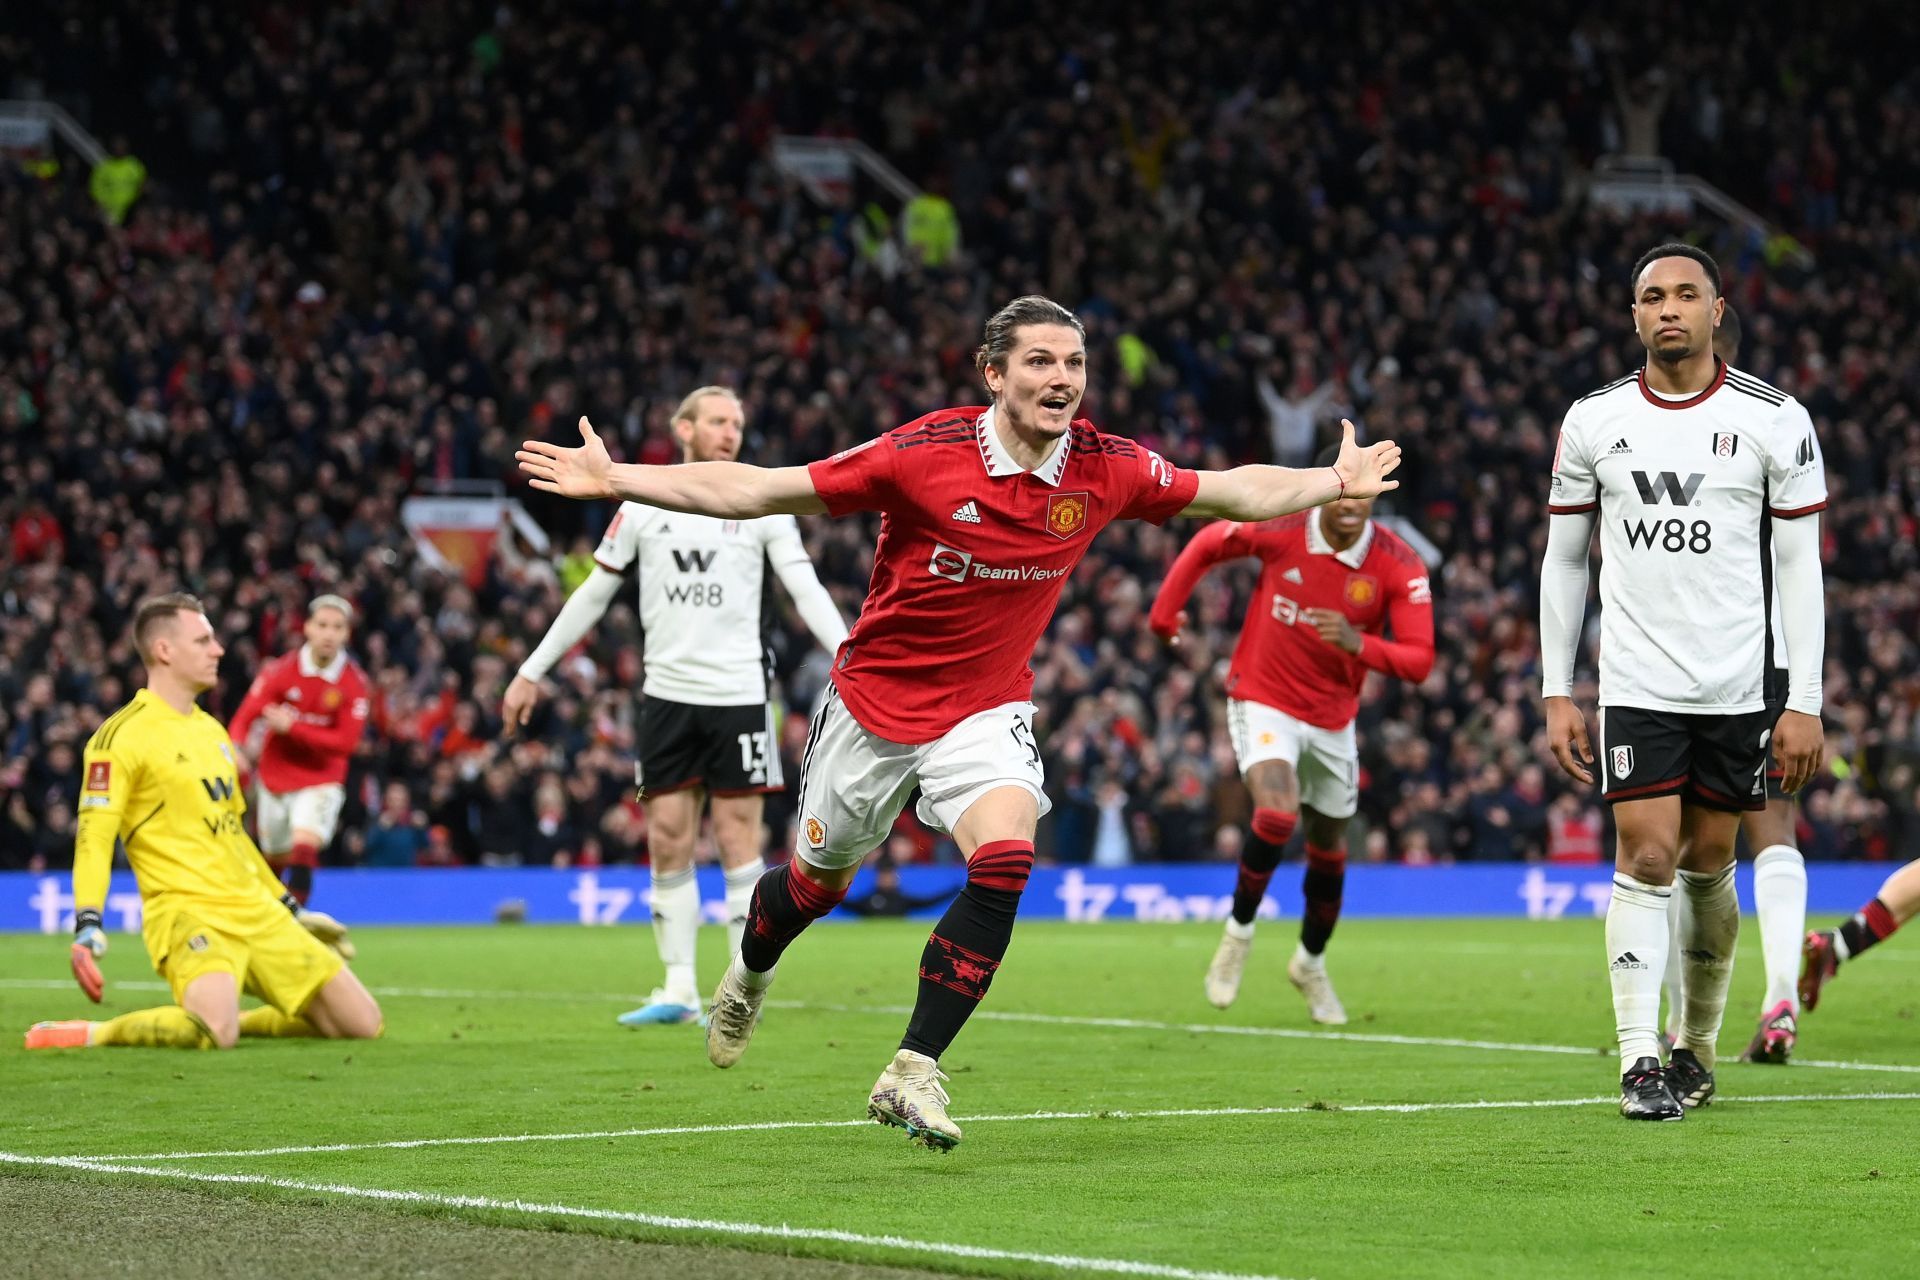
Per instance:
x=1695, y=471
x=985, y=511
x=706, y=731
x=1779, y=872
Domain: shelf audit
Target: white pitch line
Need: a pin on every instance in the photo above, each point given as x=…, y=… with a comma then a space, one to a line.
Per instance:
x=665, y=1222
x=1042, y=1019
x=1298, y=1033
x=1391, y=1108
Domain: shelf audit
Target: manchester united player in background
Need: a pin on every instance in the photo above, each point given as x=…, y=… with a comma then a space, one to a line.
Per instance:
x=1331, y=582
x=985, y=513
x=314, y=704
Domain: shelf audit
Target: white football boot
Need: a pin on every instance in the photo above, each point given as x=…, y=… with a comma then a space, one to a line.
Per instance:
x=1309, y=975
x=908, y=1096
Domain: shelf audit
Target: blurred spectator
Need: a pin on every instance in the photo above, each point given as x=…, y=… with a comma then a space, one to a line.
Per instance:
x=399, y=834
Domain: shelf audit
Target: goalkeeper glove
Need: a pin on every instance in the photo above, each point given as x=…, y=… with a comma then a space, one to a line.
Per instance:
x=89, y=944
x=328, y=930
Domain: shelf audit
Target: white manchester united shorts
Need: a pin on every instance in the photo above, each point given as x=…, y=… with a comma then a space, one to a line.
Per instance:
x=853, y=784
x=281, y=813
x=1326, y=761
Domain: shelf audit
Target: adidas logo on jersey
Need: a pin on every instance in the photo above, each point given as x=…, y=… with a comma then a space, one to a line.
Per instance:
x=1293, y=575
x=1620, y=446
x=968, y=513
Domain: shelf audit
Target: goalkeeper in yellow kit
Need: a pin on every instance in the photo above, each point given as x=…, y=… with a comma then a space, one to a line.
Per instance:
x=160, y=778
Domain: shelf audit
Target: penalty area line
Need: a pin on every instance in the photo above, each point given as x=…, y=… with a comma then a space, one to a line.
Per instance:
x=658, y=1221
x=1363, y=1108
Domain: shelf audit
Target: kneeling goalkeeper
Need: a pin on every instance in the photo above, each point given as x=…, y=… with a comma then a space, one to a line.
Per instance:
x=161, y=780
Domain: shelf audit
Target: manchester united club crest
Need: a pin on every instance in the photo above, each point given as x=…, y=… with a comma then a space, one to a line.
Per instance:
x=1066, y=514
x=816, y=834
x=1725, y=444
x=330, y=699
x=1362, y=590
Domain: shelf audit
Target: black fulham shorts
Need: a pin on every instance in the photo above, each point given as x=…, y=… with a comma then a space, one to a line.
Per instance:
x=1714, y=761
x=727, y=750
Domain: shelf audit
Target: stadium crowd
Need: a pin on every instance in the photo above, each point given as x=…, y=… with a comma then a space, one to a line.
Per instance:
x=373, y=252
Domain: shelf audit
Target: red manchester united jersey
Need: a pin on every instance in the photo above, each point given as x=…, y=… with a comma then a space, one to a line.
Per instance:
x=332, y=702
x=973, y=554
x=1281, y=660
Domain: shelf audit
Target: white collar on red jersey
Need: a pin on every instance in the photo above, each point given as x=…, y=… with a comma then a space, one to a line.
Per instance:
x=330, y=673
x=1353, y=557
x=1000, y=462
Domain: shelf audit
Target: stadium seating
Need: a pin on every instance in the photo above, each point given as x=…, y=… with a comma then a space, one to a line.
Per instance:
x=369, y=258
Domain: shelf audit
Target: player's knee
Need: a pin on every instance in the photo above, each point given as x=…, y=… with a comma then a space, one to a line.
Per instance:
x=361, y=1020
x=1267, y=795
x=1648, y=860
x=223, y=1032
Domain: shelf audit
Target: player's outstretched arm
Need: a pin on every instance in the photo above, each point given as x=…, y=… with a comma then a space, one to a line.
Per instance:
x=1256, y=493
x=728, y=490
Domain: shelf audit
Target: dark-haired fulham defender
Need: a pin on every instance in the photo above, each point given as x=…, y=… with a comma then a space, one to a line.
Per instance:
x=985, y=513
x=1696, y=469
x=1779, y=872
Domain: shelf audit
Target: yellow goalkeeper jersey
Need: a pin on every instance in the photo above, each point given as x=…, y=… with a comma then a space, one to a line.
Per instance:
x=166, y=786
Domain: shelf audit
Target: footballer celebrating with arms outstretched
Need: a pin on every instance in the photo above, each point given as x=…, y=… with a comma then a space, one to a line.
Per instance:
x=985, y=511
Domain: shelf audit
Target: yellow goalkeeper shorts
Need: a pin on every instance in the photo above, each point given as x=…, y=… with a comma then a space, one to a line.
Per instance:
x=281, y=962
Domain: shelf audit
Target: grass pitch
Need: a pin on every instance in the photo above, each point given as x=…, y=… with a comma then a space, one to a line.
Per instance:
x=1463, y=1125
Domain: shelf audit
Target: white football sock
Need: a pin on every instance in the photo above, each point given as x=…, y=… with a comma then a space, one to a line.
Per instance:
x=1706, y=955
x=740, y=882
x=1670, y=987
x=676, y=922
x=1780, y=898
x=1636, y=958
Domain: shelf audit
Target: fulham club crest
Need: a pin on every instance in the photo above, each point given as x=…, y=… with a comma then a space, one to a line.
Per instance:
x=1622, y=761
x=1725, y=444
x=1066, y=514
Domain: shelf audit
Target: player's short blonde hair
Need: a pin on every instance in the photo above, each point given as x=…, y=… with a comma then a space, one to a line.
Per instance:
x=690, y=407
x=156, y=612
x=338, y=603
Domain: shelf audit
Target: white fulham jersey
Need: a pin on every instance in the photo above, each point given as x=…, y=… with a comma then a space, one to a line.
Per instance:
x=1686, y=490
x=704, y=601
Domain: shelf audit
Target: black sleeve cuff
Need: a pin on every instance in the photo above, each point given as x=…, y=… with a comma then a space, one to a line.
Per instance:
x=292, y=904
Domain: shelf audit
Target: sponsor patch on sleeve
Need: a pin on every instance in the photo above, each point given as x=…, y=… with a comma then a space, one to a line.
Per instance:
x=100, y=775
